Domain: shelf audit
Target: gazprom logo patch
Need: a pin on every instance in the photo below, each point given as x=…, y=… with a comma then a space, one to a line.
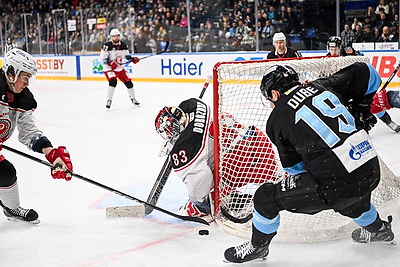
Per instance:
x=357, y=151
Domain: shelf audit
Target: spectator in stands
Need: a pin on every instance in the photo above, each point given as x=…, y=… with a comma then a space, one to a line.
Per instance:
x=347, y=36
x=368, y=34
x=358, y=34
x=371, y=13
x=9, y=45
x=384, y=5
x=249, y=41
x=268, y=30
x=356, y=22
x=385, y=35
x=384, y=21
x=368, y=21
x=280, y=49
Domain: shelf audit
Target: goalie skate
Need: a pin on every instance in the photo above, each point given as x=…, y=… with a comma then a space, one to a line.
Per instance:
x=21, y=214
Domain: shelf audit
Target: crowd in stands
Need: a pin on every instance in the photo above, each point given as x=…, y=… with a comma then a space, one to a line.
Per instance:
x=222, y=25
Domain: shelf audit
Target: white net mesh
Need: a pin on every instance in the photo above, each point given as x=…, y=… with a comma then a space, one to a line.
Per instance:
x=246, y=158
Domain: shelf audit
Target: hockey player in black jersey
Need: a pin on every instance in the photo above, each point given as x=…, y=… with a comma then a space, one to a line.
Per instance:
x=325, y=149
x=281, y=50
x=186, y=129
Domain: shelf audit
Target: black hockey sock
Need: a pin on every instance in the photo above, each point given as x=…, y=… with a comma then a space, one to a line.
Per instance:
x=386, y=118
x=375, y=226
x=259, y=239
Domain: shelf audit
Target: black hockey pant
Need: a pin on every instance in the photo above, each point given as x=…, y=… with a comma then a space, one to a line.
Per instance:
x=303, y=194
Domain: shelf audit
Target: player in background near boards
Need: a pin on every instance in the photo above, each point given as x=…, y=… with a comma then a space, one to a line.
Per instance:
x=280, y=49
x=335, y=48
x=16, y=111
x=113, y=56
x=383, y=100
x=326, y=150
x=186, y=129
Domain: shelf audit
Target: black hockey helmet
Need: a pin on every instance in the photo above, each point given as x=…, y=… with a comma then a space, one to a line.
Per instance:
x=334, y=41
x=170, y=123
x=280, y=78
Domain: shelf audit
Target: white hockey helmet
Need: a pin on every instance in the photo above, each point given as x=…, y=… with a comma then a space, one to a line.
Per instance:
x=114, y=32
x=17, y=60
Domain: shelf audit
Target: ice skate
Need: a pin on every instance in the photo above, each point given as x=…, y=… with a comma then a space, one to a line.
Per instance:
x=134, y=101
x=384, y=235
x=394, y=126
x=108, y=105
x=21, y=214
x=246, y=252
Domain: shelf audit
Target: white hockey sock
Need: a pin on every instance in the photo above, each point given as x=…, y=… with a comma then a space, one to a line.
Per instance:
x=9, y=196
x=131, y=92
x=110, y=92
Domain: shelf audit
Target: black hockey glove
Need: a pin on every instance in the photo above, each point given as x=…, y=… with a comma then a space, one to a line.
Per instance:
x=364, y=119
x=128, y=57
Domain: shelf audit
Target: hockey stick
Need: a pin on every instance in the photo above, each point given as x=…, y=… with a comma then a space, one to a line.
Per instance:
x=185, y=218
x=156, y=54
x=154, y=195
x=390, y=78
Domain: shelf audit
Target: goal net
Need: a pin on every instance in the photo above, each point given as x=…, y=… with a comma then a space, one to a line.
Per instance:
x=245, y=158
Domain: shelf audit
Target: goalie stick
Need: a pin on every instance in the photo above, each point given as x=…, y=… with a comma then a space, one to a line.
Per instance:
x=182, y=217
x=154, y=195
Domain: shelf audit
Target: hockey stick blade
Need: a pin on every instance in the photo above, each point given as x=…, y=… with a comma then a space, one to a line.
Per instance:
x=43, y=162
x=154, y=195
x=126, y=211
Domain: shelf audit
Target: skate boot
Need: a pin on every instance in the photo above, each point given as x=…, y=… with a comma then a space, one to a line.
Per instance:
x=385, y=234
x=394, y=126
x=134, y=101
x=26, y=215
x=246, y=252
x=108, y=105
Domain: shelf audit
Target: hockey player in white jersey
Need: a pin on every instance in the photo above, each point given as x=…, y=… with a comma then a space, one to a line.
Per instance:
x=113, y=56
x=16, y=111
x=186, y=129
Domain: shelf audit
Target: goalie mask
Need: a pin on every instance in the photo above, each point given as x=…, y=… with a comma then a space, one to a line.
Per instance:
x=280, y=78
x=170, y=123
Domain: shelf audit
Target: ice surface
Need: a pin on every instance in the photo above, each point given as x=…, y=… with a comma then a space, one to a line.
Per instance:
x=119, y=148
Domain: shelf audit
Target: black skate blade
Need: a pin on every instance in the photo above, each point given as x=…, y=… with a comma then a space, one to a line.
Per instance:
x=258, y=260
x=13, y=219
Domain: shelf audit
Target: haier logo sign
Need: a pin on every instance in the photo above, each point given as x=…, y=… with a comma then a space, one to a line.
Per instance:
x=180, y=68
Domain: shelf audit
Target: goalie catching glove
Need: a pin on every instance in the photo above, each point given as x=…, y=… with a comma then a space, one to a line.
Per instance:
x=134, y=60
x=360, y=110
x=62, y=166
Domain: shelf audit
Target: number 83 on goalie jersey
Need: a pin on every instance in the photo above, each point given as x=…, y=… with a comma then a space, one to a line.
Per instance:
x=192, y=153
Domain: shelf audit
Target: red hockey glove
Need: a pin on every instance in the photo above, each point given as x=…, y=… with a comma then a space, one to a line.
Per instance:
x=135, y=60
x=62, y=166
x=113, y=65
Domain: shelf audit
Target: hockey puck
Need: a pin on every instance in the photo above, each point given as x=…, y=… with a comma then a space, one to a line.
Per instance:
x=204, y=232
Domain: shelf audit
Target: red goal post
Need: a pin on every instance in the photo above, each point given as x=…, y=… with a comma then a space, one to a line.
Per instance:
x=244, y=158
